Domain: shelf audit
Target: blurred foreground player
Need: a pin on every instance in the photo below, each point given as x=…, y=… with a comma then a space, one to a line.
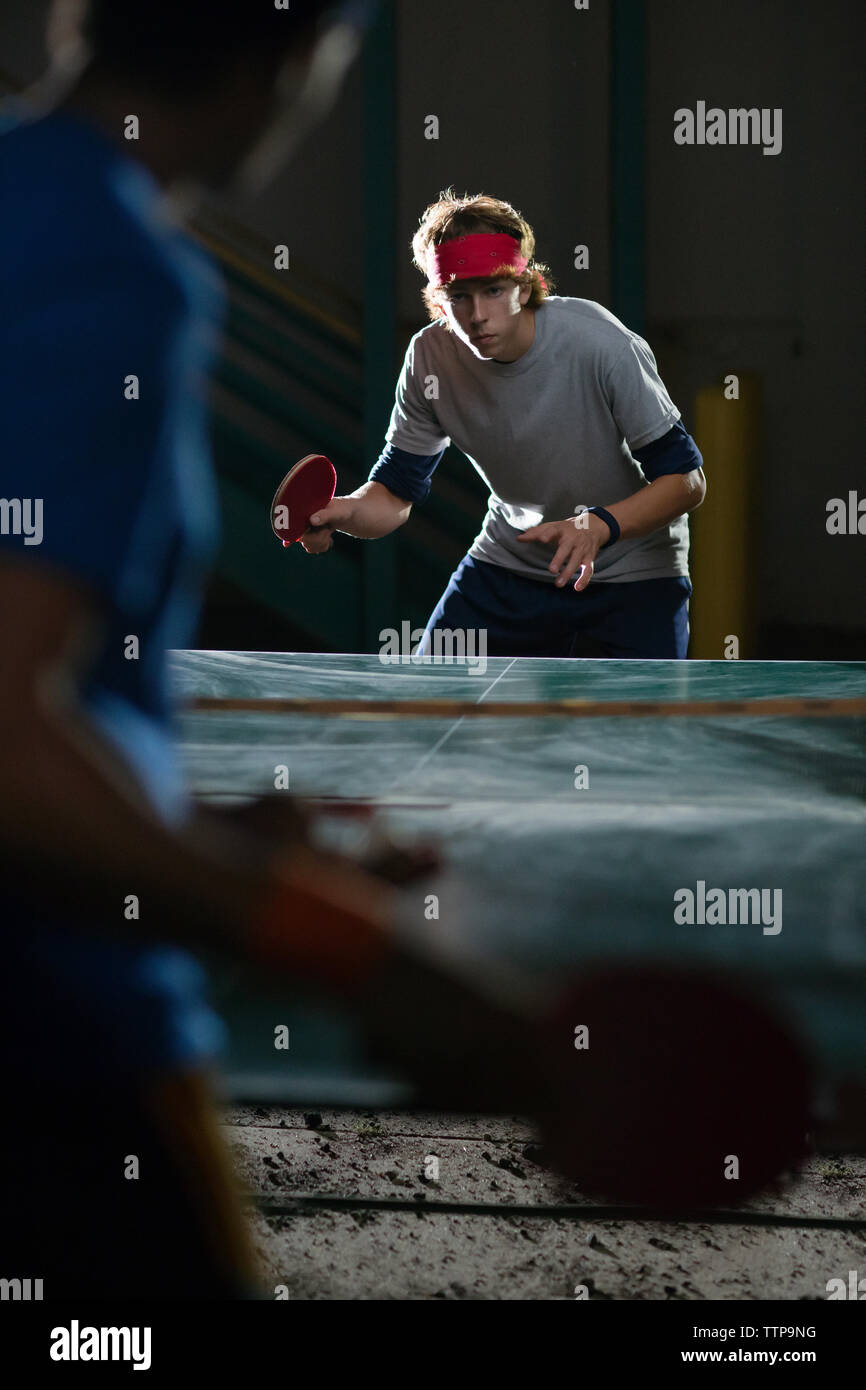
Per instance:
x=561, y=410
x=105, y=1035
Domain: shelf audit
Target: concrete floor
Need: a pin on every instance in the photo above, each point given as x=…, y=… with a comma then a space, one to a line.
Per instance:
x=414, y=1251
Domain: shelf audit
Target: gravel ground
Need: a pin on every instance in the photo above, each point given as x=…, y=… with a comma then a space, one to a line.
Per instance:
x=414, y=1251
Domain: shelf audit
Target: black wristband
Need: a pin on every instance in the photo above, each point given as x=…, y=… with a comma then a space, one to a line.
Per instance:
x=610, y=521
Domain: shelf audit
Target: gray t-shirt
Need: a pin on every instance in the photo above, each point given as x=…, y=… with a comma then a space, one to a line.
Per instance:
x=547, y=433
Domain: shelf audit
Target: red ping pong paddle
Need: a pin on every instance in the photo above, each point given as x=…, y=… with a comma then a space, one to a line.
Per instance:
x=306, y=488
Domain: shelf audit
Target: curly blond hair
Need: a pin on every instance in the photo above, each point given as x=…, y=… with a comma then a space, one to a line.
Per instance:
x=451, y=216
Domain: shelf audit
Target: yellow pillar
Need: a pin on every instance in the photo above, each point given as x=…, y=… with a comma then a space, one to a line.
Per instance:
x=724, y=531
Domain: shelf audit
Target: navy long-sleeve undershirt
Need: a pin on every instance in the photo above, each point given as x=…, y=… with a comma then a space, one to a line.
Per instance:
x=409, y=475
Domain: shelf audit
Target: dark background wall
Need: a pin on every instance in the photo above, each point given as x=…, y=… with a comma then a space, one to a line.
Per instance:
x=753, y=263
x=521, y=92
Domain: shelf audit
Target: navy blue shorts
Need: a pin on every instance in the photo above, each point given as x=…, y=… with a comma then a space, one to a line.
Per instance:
x=647, y=620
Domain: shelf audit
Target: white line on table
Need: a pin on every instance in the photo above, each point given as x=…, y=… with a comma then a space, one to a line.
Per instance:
x=426, y=757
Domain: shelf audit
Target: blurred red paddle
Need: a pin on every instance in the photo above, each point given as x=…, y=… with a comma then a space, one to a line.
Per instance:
x=306, y=488
x=676, y=1086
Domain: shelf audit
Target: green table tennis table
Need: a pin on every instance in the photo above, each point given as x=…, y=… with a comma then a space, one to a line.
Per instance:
x=573, y=832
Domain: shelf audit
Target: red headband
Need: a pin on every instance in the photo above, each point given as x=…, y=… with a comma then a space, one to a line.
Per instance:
x=479, y=256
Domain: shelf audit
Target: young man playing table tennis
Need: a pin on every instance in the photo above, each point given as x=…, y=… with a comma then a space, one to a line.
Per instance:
x=560, y=409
